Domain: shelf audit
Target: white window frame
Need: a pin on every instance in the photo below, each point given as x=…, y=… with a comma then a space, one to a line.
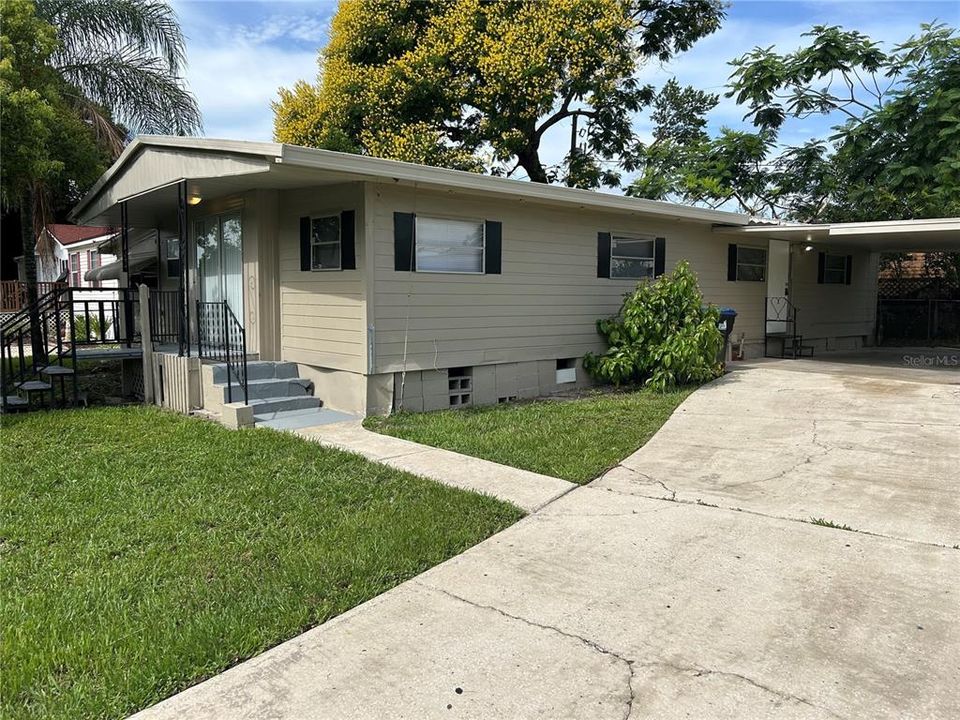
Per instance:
x=338, y=242
x=766, y=262
x=827, y=270
x=78, y=271
x=614, y=236
x=483, y=245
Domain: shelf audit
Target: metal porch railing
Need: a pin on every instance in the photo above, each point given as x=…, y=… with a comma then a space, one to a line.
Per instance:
x=221, y=337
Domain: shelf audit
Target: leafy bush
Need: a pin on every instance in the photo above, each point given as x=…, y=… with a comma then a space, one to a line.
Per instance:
x=88, y=326
x=663, y=336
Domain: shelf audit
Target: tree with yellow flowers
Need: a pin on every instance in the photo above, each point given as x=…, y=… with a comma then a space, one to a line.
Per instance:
x=476, y=84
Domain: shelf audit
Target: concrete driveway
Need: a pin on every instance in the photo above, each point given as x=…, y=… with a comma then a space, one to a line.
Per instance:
x=613, y=602
x=863, y=444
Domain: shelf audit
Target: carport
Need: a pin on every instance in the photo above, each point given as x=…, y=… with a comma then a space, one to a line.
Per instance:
x=799, y=309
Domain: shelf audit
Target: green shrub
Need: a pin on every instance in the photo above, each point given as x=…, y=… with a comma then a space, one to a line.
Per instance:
x=664, y=336
x=81, y=323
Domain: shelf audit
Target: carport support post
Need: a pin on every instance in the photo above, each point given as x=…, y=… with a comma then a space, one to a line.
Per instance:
x=146, y=342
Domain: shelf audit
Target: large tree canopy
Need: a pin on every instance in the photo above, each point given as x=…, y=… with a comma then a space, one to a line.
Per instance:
x=476, y=85
x=895, y=156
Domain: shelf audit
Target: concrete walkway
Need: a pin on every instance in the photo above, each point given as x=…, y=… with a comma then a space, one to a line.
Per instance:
x=527, y=490
x=609, y=603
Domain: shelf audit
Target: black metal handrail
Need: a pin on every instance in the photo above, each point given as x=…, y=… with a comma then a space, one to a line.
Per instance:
x=16, y=335
x=221, y=337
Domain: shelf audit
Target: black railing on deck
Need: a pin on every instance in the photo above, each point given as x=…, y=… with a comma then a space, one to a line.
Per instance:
x=221, y=337
x=165, y=317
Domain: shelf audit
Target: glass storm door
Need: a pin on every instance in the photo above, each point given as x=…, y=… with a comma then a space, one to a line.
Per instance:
x=220, y=261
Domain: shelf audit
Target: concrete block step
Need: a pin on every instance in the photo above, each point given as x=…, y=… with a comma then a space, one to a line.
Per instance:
x=258, y=370
x=298, y=419
x=271, y=388
x=275, y=404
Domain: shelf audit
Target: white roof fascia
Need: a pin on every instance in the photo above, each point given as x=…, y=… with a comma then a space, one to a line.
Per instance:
x=394, y=171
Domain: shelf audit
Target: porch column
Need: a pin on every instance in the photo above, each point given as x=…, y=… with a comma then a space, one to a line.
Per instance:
x=184, y=293
x=124, y=241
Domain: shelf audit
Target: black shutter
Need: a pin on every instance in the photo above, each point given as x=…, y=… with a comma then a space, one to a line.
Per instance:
x=849, y=277
x=305, y=263
x=493, y=238
x=404, y=241
x=603, y=255
x=731, y=262
x=659, y=256
x=348, y=240
x=821, y=267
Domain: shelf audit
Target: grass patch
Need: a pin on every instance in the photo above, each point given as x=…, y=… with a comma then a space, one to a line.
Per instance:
x=575, y=440
x=823, y=522
x=144, y=551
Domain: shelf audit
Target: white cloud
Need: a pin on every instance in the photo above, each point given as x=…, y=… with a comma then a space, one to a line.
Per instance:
x=235, y=86
x=238, y=57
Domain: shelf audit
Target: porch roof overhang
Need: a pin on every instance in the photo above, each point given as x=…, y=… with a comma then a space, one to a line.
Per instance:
x=148, y=171
x=885, y=236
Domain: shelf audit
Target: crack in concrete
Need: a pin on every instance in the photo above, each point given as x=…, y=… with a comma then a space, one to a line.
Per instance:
x=806, y=460
x=592, y=644
x=787, y=518
x=702, y=671
x=650, y=480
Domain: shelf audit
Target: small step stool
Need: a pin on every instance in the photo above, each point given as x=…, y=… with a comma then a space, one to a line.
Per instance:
x=61, y=372
x=35, y=386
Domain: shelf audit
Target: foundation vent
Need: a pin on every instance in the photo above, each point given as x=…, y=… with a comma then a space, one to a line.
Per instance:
x=460, y=386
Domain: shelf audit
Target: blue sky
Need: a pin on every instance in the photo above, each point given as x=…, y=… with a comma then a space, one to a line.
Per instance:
x=240, y=52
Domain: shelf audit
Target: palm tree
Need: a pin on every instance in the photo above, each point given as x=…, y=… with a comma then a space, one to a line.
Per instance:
x=121, y=65
x=122, y=62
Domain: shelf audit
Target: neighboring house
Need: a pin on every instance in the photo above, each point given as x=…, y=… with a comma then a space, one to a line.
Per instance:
x=65, y=254
x=390, y=283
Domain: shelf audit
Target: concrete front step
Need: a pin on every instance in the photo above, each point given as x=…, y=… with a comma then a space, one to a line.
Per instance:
x=258, y=370
x=262, y=406
x=299, y=419
x=271, y=388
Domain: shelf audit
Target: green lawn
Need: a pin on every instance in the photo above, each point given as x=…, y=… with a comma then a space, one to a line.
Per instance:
x=576, y=440
x=143, y=551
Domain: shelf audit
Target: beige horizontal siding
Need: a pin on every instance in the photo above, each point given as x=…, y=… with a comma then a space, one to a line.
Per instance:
x=547, y=300
x=831, y=311
x=322, y=314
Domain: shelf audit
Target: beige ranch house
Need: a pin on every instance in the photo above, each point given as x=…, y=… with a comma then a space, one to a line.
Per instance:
x=369, y=285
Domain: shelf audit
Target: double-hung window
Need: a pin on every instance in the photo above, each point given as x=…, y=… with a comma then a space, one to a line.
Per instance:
x=631, y=256
x=835, y=269
x=449, y=245
x=751, y=263
x=325, y=243
x=173, y=256
x=75, y=278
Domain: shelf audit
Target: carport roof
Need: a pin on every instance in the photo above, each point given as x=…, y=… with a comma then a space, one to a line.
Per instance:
x=889, y=235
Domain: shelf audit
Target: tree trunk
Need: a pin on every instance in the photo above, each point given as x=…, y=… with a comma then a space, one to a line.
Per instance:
x=530, y=161
x=29, y=246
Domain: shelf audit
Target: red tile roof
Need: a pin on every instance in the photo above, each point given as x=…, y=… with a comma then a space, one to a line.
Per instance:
x=70, y=234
